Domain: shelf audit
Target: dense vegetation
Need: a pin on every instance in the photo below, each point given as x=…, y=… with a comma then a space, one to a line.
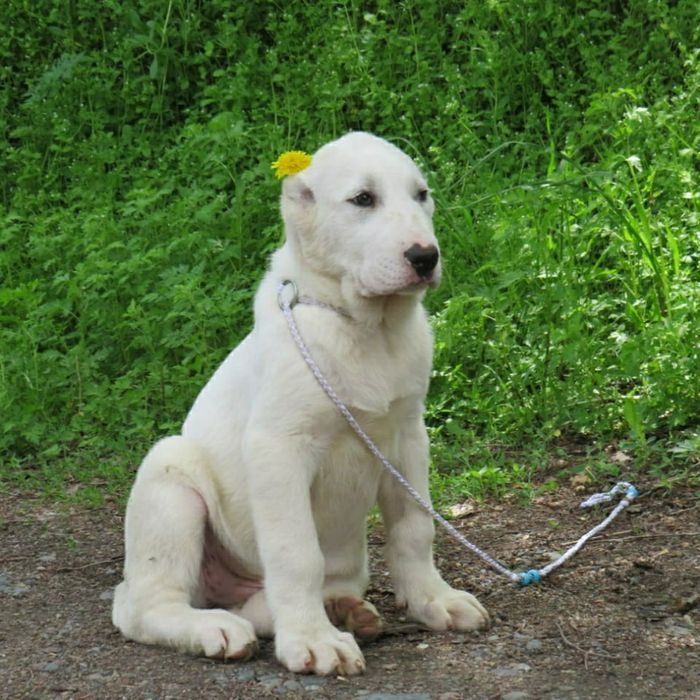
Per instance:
x=137, y=211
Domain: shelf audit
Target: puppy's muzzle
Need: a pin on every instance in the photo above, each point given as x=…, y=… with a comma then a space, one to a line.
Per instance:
x=423, y=259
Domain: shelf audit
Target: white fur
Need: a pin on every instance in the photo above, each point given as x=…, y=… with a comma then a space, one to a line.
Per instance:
x=266, y=460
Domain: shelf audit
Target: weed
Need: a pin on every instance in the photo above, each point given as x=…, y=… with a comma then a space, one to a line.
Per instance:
x=137, y=213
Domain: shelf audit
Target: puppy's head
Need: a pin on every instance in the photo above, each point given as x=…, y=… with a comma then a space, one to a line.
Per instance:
x=362, y=212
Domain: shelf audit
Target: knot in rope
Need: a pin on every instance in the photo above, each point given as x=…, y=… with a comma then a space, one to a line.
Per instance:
x=528, y=577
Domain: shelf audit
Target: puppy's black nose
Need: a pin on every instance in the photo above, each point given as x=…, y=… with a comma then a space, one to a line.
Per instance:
x=422, y=258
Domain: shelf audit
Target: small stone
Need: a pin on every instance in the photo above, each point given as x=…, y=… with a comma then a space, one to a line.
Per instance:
x=67, y=629
x=620, y=457
x=482, y=652
x=14, y=589
x=245, y=674
x=509, y=671
x=685, y=621
x=312, y=682
x=462, y=510
x=19, y=590
x=46, y=558
x=96, y=677
x=398, y=696
x=515, y=695
x=579, y=480
x=521, y=637
x=220, y=678
x=686, y=603
x=287, y=687
x=107, y=595
x=50, y=667
x=534, y=646
x=270, y=682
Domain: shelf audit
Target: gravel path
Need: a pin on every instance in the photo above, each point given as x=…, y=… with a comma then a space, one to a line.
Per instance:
x=620, y=621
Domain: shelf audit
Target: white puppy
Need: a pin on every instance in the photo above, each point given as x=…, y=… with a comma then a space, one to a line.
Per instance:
x=253, y=521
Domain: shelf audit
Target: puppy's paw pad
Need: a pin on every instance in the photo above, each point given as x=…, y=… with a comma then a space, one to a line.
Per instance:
x=355, y=615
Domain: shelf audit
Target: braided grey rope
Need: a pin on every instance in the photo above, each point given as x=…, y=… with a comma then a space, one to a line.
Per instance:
x=523, y=578
x=630, y=494
x=286, y=306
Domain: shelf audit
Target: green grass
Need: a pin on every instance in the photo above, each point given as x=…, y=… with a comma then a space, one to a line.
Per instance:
x=137, y=212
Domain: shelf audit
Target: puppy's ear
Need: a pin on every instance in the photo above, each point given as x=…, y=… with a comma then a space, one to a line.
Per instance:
x=297, y=205
x=295, y=189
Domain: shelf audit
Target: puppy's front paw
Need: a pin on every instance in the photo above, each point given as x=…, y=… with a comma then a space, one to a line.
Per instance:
x=449, y=609
x=320, y=649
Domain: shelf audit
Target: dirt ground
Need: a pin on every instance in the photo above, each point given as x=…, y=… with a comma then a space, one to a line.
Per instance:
x=622, y=620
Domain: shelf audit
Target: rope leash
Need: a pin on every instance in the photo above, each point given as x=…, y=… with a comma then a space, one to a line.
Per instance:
x=524, y=578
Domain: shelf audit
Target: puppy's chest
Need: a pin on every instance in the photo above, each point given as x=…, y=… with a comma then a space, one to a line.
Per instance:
x=375, y=378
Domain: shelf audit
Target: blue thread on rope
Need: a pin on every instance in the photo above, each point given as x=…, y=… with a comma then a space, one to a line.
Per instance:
x=528, y=577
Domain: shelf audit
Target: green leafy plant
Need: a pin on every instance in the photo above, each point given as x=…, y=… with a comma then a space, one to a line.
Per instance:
x=137, y=212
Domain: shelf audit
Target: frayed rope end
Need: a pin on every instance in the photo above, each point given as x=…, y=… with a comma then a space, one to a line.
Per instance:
x=631, y=492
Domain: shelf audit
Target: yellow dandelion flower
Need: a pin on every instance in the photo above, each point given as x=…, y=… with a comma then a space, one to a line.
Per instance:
x=291, y=163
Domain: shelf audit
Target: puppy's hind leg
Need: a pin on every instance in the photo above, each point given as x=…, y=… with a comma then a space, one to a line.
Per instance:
x=355, y=615
x=165, y=526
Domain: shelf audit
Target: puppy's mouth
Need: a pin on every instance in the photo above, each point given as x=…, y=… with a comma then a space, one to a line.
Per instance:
x=385, y=277
x=426, y=280
x=416, y=286
x=422, y=283
x=429, y=282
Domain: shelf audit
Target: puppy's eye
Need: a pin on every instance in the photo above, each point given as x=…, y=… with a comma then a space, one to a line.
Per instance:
x=363, y=199
x=422, y=195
